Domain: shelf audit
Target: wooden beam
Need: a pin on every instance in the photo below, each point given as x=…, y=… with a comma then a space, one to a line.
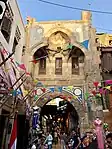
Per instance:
x=6, y=59
x=13, y=85
x=7, y=96
x=15, y=104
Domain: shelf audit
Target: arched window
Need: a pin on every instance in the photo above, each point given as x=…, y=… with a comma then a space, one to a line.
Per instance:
x=40, y=55
x=75, y=65
x=77, y=57
x=58, y=65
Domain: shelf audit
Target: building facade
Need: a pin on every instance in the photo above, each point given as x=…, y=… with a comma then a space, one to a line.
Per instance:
x=12, y=40
x=104, y=39
x=104, y=45
x=63, y=53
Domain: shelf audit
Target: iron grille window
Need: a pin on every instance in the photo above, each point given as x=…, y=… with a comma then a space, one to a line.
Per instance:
x=5, y=28
x=58, y=66
x=6, y=23
x=42, y=66
x=75, y=65
x=17, y=34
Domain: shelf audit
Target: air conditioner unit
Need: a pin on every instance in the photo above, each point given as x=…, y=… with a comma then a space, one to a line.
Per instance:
x=2, y=9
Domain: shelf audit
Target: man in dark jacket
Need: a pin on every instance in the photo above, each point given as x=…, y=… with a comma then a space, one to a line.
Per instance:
x=87, y=143
x=109, y=141
x=76, y=140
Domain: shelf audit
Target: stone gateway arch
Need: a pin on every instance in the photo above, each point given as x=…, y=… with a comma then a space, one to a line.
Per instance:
x=72, y=94
x=66, y=56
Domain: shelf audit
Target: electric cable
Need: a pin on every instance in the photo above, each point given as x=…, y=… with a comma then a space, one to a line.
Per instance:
x=80, y=9
x=104, y=29
x=76, y=8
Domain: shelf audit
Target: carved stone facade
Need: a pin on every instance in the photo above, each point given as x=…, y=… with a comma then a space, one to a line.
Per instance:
x=63, y=39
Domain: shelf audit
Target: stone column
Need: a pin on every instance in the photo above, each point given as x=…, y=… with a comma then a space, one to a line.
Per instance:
x=83, y=125
x=86, y=15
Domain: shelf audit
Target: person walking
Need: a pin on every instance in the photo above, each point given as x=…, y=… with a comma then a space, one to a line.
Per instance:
x=55, y=137
x=76, y=142
x=109, y=141
x=63, y=139
x=49, y=140
x=33, y=146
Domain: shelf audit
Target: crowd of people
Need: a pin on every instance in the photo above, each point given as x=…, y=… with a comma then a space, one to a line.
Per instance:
x=73, y=140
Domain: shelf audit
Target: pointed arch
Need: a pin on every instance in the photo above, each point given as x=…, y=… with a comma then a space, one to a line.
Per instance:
x=43, y=44
x=68, y=32
x=76, y=104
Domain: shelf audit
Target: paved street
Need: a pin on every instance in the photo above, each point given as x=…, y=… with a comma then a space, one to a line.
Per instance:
x=58, y=146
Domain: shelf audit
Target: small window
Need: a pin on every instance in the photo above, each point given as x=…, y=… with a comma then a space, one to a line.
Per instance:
x=97, y=40
x=42, y=66
x=23, y=50
x=58, y=66
x=17, y=34
x=110, y=42
x=58, y=49
x=75, y=65
x=14, y=45
x=16, y=39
